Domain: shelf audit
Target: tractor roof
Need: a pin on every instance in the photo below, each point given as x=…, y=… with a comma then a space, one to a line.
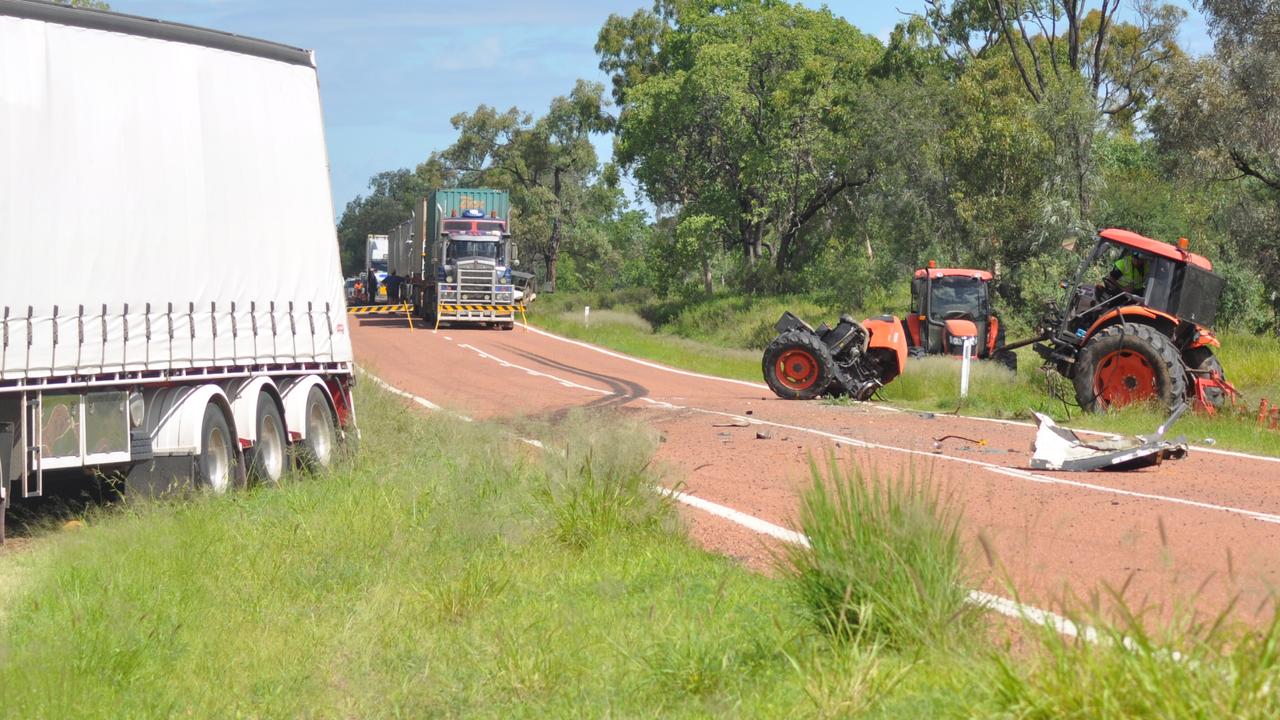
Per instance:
x=954, y=272
x=1154, y=247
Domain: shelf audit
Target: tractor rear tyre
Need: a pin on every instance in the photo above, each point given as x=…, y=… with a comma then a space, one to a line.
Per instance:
x=1203, y=360
x=798, y=366
x=1126, y=364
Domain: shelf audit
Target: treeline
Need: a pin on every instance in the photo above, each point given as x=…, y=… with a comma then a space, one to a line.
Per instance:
x=785, y=150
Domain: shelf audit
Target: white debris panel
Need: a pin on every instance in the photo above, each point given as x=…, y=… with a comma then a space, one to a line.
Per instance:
x=1058, y=448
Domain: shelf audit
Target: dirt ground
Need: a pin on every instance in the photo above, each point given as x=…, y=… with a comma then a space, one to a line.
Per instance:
x=1205, y=528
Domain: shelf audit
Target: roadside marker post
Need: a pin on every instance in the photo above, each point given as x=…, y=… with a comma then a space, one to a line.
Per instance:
x=964, y=366
x=586, y=315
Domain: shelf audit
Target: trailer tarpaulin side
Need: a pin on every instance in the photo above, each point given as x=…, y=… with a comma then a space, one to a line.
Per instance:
x=134, y=234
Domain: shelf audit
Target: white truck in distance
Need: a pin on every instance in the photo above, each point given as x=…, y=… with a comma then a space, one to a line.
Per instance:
x=171, y=303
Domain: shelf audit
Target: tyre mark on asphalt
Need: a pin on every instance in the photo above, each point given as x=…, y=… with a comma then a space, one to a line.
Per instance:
x=1004, y=606
x=874, y=406
x=622, y=390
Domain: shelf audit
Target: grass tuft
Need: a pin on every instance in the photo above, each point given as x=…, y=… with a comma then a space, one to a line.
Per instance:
x=1188, y=668
x=601, y=483
x=884, y=561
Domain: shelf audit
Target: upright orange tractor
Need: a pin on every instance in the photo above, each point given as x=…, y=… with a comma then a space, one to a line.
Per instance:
x=951, y=307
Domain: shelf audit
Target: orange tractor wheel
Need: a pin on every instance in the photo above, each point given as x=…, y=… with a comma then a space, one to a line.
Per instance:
x=1127, y=364
x=798, y=366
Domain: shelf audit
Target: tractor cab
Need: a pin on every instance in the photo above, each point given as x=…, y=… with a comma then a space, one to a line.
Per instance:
x=1130, y=277
x=948, y=307
x=1135, y=326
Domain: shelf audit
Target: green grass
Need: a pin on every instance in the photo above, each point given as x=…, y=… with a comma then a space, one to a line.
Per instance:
x=884, y=561
x=713, y=337
x=1193, y=667
x=629, y=333
x=449, y=571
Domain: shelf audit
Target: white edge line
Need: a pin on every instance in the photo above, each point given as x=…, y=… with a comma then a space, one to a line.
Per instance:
x=761, y=386
x=988, y=601
x=985, y=600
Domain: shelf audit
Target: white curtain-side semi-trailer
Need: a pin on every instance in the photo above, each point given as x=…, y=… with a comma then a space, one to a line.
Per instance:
x=171, y=303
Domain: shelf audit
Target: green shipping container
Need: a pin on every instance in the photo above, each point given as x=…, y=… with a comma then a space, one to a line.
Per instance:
x=455, y=200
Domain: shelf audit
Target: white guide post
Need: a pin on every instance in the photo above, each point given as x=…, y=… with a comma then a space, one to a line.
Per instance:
x=964, y=366
x=586, y=315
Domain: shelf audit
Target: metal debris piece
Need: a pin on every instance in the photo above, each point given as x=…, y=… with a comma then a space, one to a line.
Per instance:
x=1057, y=448
x=764, y=435
x=937, y=442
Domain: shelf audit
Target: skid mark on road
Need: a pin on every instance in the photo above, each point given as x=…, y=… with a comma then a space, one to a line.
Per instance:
x=1016, y=473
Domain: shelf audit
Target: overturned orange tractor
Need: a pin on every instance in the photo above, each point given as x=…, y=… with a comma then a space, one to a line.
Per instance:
x=852, y=358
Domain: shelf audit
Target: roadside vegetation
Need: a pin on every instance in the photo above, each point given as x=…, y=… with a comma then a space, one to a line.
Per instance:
x=452, y=570
x=725, y=336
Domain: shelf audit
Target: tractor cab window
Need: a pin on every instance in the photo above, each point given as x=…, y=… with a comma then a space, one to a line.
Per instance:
x=958, y=295
x=917, y=289
x=1122, y=269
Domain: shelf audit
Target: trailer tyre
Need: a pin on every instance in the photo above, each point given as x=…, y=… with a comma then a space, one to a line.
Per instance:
x=319, y=448
x=798, y=366
x=215, y=465
x=267, y=463
x=1126, y=364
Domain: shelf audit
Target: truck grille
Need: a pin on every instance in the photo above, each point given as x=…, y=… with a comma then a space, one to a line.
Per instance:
x=475, y=283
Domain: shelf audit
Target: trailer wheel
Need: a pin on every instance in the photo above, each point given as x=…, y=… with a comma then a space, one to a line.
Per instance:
x=798, y=366
x=215, y=466
x=267, y=461
x=318, y=448
x=1126, y=364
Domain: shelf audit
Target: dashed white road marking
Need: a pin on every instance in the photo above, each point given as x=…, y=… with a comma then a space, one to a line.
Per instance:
x=995, y=603
x=990, y=467
x=432, y=406
x=878, y=406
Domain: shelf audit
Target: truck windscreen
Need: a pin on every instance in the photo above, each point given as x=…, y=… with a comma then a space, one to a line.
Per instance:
x=474, y=226
x=475, y=248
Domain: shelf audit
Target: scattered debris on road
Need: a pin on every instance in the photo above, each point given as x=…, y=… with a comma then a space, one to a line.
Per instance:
x=1057, y=448
x=729, y=425
x=937, y=442
x=764, y=435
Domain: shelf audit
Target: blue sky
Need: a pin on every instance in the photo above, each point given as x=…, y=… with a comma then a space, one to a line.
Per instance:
x=392, y=73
